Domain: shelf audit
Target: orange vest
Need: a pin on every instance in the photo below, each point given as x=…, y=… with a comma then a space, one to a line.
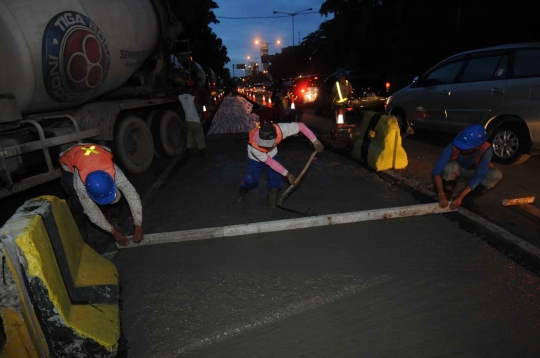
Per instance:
x=254, y=138
x=87, y=158
x=479, y=153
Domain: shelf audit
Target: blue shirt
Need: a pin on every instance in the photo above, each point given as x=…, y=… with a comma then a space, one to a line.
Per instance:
x=480, y=171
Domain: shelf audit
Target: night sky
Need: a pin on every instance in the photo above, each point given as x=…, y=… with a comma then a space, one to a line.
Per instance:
x=239, y=35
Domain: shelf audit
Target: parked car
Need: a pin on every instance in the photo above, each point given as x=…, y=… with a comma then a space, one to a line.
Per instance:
x=305, y=89
x=370, y=92
x=498, y=87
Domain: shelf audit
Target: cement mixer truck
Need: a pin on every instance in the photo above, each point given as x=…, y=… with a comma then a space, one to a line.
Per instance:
x=100, y=71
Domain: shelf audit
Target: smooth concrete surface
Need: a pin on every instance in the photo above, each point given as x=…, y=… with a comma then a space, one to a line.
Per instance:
x=411, y=287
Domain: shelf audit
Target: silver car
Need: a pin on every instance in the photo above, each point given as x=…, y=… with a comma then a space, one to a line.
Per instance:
x=498, y=87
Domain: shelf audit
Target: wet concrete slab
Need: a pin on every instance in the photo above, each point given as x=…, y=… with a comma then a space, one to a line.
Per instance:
x=201, y=193
x=404, y=287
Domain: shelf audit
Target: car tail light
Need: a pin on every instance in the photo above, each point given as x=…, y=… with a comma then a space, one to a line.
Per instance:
x=302, y=90
x=264, y=87
x=387, y=85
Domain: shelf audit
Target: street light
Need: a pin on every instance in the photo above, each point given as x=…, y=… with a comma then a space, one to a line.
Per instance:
x=292, y=15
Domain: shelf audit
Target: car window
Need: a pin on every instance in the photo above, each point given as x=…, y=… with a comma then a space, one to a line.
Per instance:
x=444, y=75
x=481, y=69
x=527, y=63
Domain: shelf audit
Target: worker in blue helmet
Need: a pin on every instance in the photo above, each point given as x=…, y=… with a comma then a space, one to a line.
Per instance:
x=95, y=184
x=341, y=93
x=469, y=157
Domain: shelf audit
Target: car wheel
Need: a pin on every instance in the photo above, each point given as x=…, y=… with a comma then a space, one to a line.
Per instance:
x=134, y=144
x=402, y=121
x=508, y=145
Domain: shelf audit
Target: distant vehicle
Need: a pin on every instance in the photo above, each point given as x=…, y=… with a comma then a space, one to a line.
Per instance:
x=287, y=83
x=370, y=92
x=305, y=89
x=259, y=88
x=498, y=87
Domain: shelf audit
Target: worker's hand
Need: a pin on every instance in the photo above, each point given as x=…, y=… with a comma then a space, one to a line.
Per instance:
x=120, y=238
x=291, y=178
x=319, y=147
x=443, y=202
x=456, y=203
x=138, y=236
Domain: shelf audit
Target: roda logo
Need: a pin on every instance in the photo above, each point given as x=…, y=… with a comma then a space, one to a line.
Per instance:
x=75, y=57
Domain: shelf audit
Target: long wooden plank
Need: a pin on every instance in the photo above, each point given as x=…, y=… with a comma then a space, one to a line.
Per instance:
x=291, y=224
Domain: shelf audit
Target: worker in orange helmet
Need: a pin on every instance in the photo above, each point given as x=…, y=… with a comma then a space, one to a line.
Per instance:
x=91, y=178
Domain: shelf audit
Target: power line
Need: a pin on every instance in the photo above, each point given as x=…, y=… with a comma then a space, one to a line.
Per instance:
x=262, y=17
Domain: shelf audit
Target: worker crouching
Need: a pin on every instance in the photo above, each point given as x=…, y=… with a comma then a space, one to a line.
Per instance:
x=262, y=152
x=469, y=157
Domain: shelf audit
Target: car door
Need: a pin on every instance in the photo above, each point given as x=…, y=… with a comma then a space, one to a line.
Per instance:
x=429, y=98
x=479, y=91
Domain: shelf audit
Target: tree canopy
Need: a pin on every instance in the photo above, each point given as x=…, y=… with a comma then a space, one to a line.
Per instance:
x=407, y=37
x=207, y=49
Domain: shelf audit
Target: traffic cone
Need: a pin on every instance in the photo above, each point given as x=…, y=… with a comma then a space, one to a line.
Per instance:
x=215, y=101
x=205, y=113
x=340, y=117
x=269, y=101
x=264, y=100
x=292, y=105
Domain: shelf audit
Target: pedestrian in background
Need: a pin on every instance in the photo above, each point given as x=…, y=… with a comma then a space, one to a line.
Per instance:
x=193, y=110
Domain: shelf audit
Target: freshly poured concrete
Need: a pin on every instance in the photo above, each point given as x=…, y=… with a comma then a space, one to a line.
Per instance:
x=403, y=287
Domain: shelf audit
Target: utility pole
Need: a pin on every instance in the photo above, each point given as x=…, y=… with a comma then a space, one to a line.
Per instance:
x=292, y=15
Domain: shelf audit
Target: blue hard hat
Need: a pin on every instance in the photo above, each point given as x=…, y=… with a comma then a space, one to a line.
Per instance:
x=341, y=73
x=471, y=137
x=100, y=187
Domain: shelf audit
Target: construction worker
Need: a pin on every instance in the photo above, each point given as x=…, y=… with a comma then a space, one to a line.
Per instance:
x=91, y=178
x=469, y=156
x=262, y=151
x=341, y=92
x=193, y=111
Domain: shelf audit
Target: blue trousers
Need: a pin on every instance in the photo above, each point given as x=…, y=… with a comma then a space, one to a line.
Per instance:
x=253, y=172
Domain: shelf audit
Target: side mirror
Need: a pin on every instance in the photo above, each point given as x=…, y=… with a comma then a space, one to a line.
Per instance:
x=418, y=81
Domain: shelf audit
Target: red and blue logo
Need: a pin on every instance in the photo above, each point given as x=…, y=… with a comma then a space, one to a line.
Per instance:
x=75, y=57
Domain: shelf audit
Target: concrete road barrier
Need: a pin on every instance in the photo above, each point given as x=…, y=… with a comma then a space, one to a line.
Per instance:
x=379, y=144
x=70, y=290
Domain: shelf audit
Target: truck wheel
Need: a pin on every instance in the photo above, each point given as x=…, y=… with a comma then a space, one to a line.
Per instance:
x=169, y=134
x=134, y=145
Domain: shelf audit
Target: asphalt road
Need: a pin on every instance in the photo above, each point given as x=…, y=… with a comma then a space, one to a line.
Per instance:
x=430, y=286
x=423, y=150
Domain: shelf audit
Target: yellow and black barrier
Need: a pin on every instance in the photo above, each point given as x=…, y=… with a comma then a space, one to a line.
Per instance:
x=72, y=290
x=379, y=145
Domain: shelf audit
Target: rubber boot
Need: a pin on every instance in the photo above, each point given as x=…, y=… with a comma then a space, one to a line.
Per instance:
x=192, y=154
x=272, y=198
x=203, y=152
x=448, y=187
x=469, y=201
x=241, y=196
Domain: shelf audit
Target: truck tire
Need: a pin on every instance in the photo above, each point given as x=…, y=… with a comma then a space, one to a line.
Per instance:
x=134, y=144
x=169, y=134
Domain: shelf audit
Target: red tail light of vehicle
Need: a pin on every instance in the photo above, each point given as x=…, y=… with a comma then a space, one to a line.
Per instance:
x=302, y=90
x=387, y=85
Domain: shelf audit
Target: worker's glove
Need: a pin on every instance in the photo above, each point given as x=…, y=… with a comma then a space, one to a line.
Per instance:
x=291, y=178
x=138, y=236
x=319, y=147
x=120, y=238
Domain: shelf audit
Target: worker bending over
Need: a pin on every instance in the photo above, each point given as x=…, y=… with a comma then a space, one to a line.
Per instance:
x=262, y=152
x=91, y=178
x=469, y=156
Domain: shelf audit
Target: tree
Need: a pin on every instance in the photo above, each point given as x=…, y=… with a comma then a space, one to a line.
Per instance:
x=207, y=49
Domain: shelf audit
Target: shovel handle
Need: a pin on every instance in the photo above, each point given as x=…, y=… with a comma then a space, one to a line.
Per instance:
x=305, y=168
x=297, y=180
